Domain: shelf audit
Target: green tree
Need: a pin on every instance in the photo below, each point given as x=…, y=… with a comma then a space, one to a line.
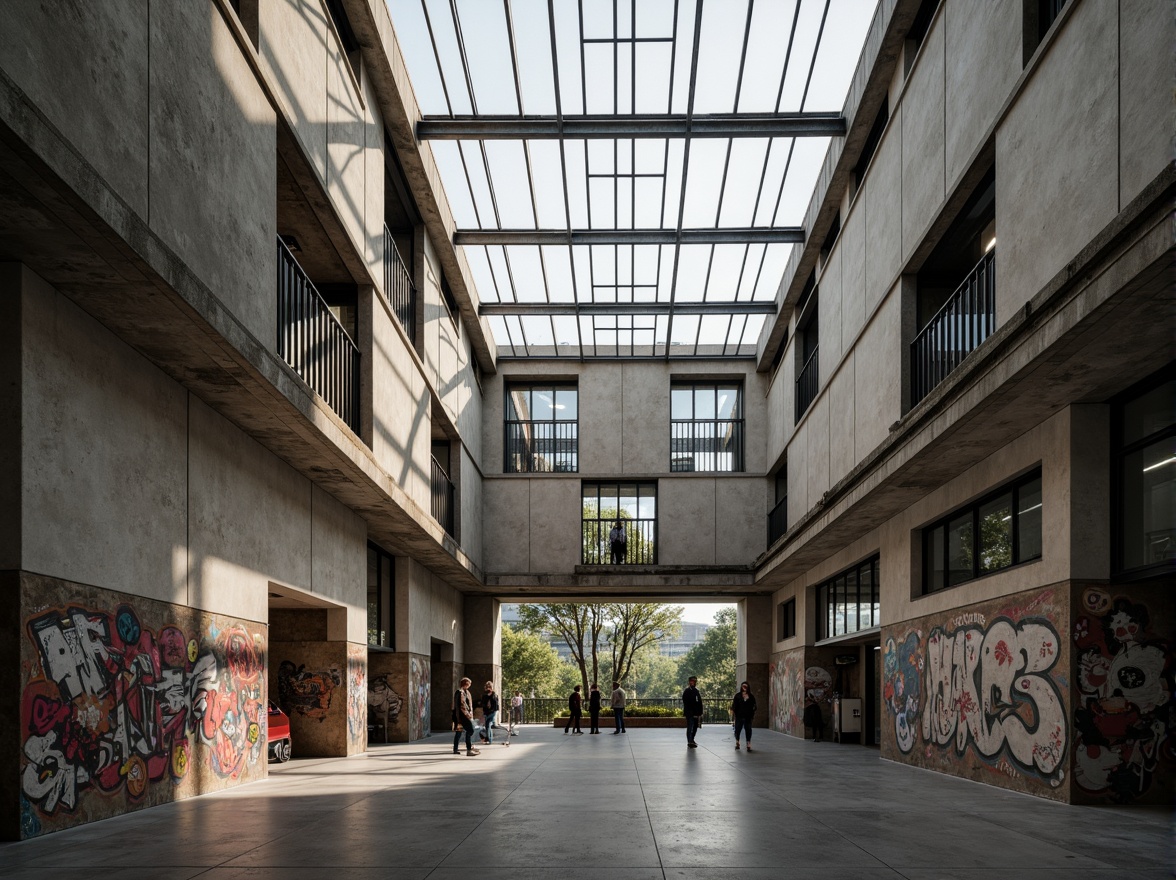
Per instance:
x=655, y=676
x=579, y=624
x=529, y=664
x=713, y=659
x=633, y=627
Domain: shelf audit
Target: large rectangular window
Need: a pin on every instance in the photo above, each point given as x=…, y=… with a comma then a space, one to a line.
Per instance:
x=542, y=428
x=785, y=620
x=849, y=602
x=706, y=426
x=1144, y=444
x=1002, y=529
x=381, y=609
x=619, y=523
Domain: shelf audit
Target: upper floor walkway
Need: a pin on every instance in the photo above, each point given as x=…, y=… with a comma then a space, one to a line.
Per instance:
x=635, y=807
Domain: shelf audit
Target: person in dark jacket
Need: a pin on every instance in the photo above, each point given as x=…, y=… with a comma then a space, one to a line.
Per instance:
x=490, y=707
x=575, y=704
x=463, y=717
x=743, y=710
x=594, y=708
x=692, y=709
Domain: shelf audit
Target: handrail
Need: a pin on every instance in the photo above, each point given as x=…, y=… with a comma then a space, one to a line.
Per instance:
x=806, y=383
x=956, y=330
x=706, y=445
x=313, y=341
x=398, y=287
x=778, y=521
x=442, y=497
x=541, y=446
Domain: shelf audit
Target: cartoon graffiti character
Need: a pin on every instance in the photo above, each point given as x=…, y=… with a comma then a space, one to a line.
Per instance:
x=383, y=701
x=305, y=691
x=901, y=666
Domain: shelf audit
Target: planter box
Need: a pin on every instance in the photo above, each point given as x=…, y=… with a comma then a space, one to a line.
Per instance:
x=607, y=723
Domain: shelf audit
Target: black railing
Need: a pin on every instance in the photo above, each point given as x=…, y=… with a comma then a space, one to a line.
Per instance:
x=706, y=445
x=965, y=321
x=544, y=710
x=398, y=286
x=313, y=342
x=640, y=542
x=442, y=501
x=806, y=383
x=542, y=447
x=778, y=521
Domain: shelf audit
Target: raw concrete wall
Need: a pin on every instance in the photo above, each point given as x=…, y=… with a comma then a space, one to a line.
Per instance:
x=195, y=723
x=322, y=686
x=427, y=608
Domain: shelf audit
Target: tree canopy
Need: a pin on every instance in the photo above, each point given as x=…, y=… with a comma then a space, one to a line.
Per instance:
x=529, y=664
x=713, y=659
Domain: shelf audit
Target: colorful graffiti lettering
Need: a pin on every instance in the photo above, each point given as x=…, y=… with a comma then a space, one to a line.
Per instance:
x=1124, y=680
x=306, y=691
x=990, y=690
x=116, y=707
x=357, y=692
x=902, y=667
x=419, y=692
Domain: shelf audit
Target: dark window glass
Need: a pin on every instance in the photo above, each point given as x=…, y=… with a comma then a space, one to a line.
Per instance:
x=786, y=620
x=1000, y=530
x=849, y=601
x=381, y=612
x=1145, y=475
x=706, y=427
x=866, y=599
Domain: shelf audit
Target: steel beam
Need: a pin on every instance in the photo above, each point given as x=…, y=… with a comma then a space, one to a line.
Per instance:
x=658, y=125
x=754, y=235
x=628, y=308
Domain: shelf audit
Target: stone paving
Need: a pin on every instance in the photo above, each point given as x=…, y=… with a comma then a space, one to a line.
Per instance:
x=635, y=807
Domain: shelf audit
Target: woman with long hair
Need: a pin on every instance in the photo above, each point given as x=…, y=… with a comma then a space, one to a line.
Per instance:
x=743, y=710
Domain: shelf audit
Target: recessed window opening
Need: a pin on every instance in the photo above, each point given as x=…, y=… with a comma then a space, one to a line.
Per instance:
x=871, y=145
x=955, y=307
x=918, y=33
x=618, y=523
x=346, y=34
x=831, y=238
x=849, y=602
x=542, y=428
x=706, y=426
x=1038, y=16
x=998, y=531
x=450, y=302
x=786, y=620
x=381, y=607
x=1144, y=477
x=808, y=365
x=778, y=516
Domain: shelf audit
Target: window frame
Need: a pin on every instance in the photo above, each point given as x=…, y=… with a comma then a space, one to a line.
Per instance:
x=839, y=585
x=599, y=522
x=786, y=619
x=739, y=465
x=531, y=386
x=1012, y=488
x=385, y=597
x=1119, y=451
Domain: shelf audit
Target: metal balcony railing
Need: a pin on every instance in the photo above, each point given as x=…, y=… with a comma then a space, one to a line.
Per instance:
x=640, y=542
x=706, y=445
x=778, y=521
x=806, y=383
x=314, y=343
x=442, y=500
x=966, y=320
x=398, y=286
x=542, y=447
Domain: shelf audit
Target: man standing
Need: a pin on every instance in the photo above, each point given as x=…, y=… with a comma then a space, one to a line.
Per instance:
x=575, y=705
x=516, y=707
x=692, y=709
x=594, y=708
x=618, y=707
x=463, y=717
x=489, y=713
x=616, y=544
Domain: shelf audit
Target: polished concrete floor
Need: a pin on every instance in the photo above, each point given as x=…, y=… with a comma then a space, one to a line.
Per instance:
x=634, y=807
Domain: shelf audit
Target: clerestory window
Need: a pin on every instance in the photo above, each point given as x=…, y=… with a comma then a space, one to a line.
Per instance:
x=706, y=427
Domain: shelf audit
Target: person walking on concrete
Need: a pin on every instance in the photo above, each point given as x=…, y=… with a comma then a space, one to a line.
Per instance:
x=594, y=708
x=692, y=709
x=463, y=718
x=618, y=707
x=743, y=710
x=575, y=704
x=490, y=708
x=516, y=707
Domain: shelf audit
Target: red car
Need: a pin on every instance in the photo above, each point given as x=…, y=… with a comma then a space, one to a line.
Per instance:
x=279, y=734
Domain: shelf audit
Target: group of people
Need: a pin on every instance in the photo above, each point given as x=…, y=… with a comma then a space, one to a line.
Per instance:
x=742, y=712
x=576, y=709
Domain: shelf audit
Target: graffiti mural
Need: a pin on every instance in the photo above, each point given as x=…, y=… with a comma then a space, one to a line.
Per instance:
x=113, y=707
x=383, y=701
x=787, y=696
x=357, y=691
x=902, y=668
x=419, y=694
x=305, y=691
x=1123, y=714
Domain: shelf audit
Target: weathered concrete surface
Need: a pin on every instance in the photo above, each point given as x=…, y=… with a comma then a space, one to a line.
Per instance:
x=322, y=686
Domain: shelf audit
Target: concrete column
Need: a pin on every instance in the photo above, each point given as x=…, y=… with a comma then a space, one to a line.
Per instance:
x=482, y=628
x=753, y=650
